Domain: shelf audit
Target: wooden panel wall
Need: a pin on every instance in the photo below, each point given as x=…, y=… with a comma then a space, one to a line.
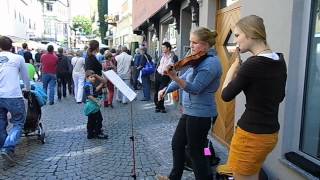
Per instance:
x=226, y=19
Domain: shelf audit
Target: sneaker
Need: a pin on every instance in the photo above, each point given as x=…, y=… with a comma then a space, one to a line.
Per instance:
x=102, y=136
x=8, y=156
x=157, y=110
x=51, y=103
x=159, y=177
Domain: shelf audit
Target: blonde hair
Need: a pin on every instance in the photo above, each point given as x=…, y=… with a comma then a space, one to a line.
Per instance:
x=252, y=26
x=206, y=35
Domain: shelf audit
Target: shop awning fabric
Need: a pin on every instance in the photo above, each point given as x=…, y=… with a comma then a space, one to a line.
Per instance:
x=31, y=44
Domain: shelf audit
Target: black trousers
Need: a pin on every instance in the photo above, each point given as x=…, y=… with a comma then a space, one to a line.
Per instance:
x=161, y=81
x=94, y=124
x=191, y=132
x=70, y=84
x=62, y=79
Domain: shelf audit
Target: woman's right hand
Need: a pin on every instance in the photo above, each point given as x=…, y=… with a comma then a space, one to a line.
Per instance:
x=161, y=93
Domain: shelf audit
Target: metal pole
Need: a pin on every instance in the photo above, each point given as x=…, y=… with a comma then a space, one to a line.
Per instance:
x=133, y=171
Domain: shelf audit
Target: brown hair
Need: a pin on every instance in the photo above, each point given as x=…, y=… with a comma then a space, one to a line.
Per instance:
x=252, y=26
x=79, y=53
x=206, y=35
x=5, y=43
x=89, y=73
x=93, y=45
x=108, y=55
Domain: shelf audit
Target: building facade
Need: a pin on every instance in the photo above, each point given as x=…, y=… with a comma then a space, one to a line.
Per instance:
x=21, y=20
x=57, y=19
x=293, y=28
x=120, y=29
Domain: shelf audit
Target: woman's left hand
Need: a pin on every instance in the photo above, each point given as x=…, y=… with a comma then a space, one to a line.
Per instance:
x=170, y=72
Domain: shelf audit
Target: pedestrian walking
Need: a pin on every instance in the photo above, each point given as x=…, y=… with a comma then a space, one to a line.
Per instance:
x=78, y=75
x=70, y=85
x=109, y=64
x=123, y=70
x=146, y=82
x=25, y=52
x=62, y=74
x=199, y=84
x=12, y=67
x=136, y=71
x=262, y=78
x=49, y=63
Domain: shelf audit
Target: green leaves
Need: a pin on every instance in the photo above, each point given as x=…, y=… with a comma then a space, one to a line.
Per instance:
x=82, y=24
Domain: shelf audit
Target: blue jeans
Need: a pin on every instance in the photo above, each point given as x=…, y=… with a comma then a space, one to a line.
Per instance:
x=49, y=79
x=16, y=107
x=146, y=87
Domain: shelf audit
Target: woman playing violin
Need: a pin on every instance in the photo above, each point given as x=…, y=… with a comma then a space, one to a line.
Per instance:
x=199, y=84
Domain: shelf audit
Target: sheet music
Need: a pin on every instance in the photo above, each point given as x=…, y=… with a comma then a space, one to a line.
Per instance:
x=120, y=84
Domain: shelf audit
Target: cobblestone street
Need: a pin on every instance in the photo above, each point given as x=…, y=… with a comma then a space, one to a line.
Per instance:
x=68, y=154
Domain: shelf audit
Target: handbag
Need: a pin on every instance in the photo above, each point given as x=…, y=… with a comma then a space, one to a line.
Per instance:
x=90, y=107
x=149, y=67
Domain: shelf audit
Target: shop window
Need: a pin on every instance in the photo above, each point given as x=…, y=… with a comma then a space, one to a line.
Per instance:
x=49, y=7
x=310, y=129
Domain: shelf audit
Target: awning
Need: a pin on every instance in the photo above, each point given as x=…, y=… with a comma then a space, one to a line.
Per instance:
x=31, y=44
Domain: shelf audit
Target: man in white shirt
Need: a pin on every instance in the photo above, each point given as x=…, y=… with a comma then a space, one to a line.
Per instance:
x=124, y=61
x=12, y=66
x=162, y=80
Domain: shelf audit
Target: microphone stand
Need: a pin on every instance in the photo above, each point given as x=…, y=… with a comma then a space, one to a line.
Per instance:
x=133, y=171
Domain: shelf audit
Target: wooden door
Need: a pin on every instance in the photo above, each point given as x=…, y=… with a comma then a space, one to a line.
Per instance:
x=226, y=19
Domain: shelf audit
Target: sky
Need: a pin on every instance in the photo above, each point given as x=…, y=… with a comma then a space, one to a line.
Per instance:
x=114, y=5
x=82, y=7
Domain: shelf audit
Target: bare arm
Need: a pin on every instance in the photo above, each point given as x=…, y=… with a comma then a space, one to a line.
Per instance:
x=93, y=99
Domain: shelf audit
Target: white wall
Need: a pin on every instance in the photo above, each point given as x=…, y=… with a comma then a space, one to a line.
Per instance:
x=207, y=13
x=282, y=21
x=13, y=26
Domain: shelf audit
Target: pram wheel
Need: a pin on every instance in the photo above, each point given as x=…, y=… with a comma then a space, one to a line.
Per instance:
x=41, y=134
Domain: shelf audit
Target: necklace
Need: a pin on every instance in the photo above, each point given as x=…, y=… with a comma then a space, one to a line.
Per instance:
x=268, y=49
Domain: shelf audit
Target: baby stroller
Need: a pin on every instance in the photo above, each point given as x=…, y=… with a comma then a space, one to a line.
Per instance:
x=33, y=125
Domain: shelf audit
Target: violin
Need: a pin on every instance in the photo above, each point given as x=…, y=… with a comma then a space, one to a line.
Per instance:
x=191, y=60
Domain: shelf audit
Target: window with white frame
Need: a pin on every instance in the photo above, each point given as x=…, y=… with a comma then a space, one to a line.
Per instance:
x=310, y=129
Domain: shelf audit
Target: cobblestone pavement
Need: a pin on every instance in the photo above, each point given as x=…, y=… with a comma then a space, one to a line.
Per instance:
x=68, y=154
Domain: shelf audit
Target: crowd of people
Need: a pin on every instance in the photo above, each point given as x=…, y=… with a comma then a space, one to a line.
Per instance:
x=262, y=78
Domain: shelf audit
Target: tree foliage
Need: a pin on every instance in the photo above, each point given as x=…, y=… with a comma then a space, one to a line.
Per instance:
x=102, y=10
x=82, y=24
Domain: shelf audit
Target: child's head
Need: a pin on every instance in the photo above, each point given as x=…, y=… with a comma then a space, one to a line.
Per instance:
x=90, y=76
